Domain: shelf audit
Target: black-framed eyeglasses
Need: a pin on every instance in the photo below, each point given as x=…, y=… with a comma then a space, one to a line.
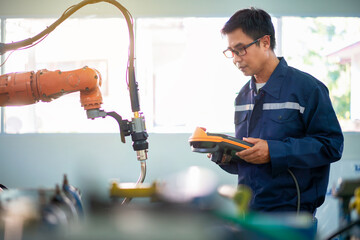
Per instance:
x=230, y=53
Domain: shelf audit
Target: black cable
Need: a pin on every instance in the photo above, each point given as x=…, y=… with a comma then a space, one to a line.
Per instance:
x=297, y=190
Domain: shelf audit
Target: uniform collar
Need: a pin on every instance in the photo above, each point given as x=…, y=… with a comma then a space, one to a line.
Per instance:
x=273, y=85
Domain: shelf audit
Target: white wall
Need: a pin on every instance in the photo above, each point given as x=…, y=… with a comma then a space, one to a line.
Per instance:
x=92, y=160
x=40, y=160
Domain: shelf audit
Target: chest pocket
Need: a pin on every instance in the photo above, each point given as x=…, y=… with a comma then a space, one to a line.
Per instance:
x=284, y=123
x=282, y=116
x=240, y=121
x=240, y=117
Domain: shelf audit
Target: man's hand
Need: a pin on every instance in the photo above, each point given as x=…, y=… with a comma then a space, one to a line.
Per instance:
x=258, y=154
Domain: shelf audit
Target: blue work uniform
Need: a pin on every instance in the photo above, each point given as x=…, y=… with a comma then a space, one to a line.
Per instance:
x=293, y=112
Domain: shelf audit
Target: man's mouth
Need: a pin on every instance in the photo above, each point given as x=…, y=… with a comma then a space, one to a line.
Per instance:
x=242, y=68
x=239, y=66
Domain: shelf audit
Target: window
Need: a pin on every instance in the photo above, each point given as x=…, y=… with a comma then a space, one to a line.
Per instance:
x=184, y=79
x=329, y=49
x=190, y=83
x=188, y=80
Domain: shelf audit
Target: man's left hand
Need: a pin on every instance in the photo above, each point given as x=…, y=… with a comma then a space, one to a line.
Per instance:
x=257, y=154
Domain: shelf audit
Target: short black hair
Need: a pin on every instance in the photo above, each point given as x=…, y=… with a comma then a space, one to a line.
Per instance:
x=253, y=22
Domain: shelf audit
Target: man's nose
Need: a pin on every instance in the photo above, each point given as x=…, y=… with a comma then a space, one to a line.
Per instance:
x=237, y=58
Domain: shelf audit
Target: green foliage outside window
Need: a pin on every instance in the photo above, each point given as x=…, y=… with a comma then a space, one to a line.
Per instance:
x=337, y=78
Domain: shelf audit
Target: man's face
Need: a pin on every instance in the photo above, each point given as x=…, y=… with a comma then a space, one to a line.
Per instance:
x=252, y=62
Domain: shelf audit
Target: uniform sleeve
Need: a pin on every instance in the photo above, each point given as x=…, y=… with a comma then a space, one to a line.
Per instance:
x=322, y=143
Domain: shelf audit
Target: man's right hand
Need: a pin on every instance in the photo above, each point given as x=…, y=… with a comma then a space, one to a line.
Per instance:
x=258, y=154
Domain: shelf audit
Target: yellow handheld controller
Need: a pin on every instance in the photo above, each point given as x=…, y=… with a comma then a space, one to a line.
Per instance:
x=216, y=144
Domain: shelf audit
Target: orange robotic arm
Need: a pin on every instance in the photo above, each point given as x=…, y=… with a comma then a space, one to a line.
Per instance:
x=23, y=88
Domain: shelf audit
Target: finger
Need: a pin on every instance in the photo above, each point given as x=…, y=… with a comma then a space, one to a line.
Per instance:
x=250, y=154
x=256, y=158
x=252, y=158
x=246, y=152
x=249, y=158
x=252, y=140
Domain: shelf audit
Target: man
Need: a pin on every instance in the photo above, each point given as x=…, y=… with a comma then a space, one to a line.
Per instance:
x=286, y=114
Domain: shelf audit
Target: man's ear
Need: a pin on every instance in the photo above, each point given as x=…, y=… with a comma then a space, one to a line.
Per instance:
x=266, y=41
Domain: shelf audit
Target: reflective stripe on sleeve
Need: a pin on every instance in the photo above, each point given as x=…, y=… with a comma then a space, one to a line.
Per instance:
x=245, y=107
